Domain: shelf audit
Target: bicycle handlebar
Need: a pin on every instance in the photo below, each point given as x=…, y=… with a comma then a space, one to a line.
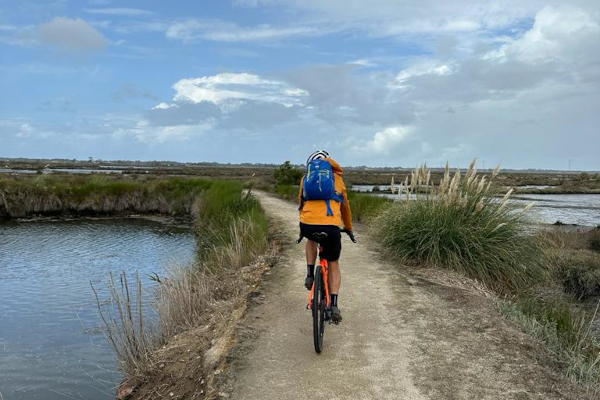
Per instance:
x=346, y=231
x=350, y=235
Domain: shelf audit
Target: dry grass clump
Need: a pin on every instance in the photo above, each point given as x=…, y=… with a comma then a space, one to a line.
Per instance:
x=459, y=224
x=574, y=260
x=131, y=337
x=573, y=238
x=579, y=273
x=594, y=239
x=565, y=330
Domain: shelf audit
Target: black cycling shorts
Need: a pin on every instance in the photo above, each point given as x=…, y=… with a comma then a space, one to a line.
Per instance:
x=332, y=243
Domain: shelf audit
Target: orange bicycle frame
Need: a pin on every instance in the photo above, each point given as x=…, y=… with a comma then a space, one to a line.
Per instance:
x=325, y=269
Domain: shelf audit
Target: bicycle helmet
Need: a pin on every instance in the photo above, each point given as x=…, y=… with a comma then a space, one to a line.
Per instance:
x=317, y=155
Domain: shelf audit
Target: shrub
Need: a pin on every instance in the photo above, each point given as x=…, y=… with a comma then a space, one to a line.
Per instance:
x=286, y=174
x=579, y=273
x=460, y=225
x=288, y=192
x=584, y=176
x=594, y=241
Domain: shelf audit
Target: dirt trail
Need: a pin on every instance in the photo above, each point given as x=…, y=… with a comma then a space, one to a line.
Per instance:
x=401, y=338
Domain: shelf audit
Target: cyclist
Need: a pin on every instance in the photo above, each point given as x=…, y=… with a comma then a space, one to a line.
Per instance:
x=315, y=218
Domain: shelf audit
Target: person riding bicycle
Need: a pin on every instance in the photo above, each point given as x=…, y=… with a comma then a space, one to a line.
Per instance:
x=326, y=216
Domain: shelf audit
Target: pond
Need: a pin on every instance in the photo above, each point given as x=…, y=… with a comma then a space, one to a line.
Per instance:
x=51, y=340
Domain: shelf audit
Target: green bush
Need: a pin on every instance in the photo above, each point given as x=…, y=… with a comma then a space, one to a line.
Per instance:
x=286, y=174
x=461, y=226
x=366, y=206
x=288, y=192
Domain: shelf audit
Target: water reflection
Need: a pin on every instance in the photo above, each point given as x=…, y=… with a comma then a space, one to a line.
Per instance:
x=51, y=345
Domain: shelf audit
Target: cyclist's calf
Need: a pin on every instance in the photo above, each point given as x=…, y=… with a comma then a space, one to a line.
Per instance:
x=335, y=277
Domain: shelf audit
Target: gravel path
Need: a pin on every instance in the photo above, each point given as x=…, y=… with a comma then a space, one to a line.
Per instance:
x=401, y=338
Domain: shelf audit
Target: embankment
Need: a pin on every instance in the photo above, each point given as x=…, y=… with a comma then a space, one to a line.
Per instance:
x=26, y=196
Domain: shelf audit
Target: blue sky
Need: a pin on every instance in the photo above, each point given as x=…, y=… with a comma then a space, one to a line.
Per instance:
x=383, y=82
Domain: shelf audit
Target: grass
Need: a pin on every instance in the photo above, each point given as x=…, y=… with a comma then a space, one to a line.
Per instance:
x=287, y=192
x=460, y=225
x=366, y=206
x=564, y=330
x=97, y=195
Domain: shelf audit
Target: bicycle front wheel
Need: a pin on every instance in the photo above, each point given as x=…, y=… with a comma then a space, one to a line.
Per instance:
x=318, y=310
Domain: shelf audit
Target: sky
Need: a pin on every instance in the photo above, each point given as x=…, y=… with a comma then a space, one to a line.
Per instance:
x=378, y=83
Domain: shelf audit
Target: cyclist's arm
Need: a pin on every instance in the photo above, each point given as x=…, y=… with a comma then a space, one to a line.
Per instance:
x=346, y=212
x=300, y=192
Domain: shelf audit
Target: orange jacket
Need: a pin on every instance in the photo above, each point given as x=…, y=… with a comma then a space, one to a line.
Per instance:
x=314, y=212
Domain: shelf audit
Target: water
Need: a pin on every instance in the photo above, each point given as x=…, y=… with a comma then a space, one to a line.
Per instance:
x=369, y=188
x=580, y=209
x=61, y=170
x=51, y=343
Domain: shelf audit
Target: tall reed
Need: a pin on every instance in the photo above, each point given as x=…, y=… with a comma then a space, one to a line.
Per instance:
x=459, y=224
x=131, y=336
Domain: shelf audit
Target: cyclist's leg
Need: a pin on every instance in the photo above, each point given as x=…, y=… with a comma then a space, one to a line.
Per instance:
x=311, y=258
x=311, y=252
x=335, y=277
x=333, y=248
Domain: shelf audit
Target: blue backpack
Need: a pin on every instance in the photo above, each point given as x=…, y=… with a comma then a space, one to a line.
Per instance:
x=319, y=183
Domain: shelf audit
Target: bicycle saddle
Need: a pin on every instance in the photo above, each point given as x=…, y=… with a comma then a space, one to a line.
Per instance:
x=318, y=236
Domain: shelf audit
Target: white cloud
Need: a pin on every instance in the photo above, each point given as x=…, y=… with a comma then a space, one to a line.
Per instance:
x=386, y=141
x=559, y=33
x=363, y=63
x=164, y=106
x=71, y=34
x=118, y=11
x=420, y=69
x=222, y=31
x=236, y=86
x=25, y=130
x=146, y=133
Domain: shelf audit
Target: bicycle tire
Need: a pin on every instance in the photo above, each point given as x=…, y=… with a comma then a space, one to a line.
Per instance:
x=318, y=310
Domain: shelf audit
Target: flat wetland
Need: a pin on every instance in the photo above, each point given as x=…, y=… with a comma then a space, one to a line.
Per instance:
x=52, y=344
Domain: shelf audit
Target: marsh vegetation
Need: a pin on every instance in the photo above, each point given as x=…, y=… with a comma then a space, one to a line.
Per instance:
x=540, y=274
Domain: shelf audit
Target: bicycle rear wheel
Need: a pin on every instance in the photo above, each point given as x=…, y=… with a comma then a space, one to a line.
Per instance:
x=318, y=310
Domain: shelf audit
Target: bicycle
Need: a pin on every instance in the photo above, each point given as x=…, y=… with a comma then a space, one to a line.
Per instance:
x=321, y=309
